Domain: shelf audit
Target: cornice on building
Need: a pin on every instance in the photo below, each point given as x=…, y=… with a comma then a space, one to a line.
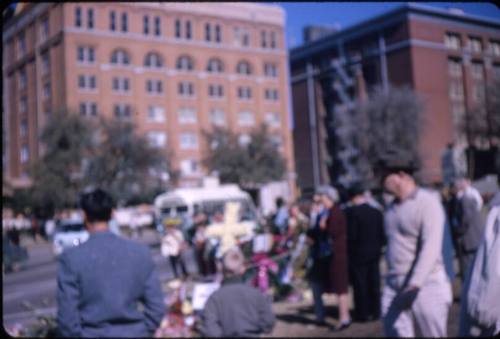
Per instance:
x=384, y=20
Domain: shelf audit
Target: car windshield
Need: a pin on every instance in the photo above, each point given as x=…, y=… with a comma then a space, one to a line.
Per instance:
x=73, y=227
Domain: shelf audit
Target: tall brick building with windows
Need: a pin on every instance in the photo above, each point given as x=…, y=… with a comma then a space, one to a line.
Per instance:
x=444, y=55
x=175, y=69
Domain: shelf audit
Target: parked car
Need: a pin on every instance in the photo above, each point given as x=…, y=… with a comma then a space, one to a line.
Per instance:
x=69, y=233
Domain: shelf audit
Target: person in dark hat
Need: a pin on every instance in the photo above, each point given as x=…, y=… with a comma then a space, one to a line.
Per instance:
x=417, y=287
x=365, y=239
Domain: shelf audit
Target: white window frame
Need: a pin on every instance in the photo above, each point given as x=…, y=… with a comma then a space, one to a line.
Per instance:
x=25, y=154
x=273, y=119
x=188, y=141
x=246, y=118
x=187, y=115
x=156, y=114
x=215, y=117
x=186, y=166
x=44, y=29
x=186, y=89
x=452, y=41
x=156, y=139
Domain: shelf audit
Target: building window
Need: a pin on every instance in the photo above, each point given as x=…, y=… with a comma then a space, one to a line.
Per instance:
x=88, y=109
x=154, y=86
x=189, y=167
x=44, y=29
x=21, y=44
x=454, y=67
x=45, y=63
x=217, y=117
x=124, y=22
x=153, y=60
x=215, y=66
x=273, y=40
x=23, y=104
x=244, y=68
x=187, y=116
x=208, y=31
x=186, y=89
x=478, y=93
x=246, y=118
x=121, y=84
x=157, y=139
x=271, y=94
x=156, y=114
x=495, y=48
x=215, y=91
x=46, y=90
x=241, y=37
x=146, y=25
x=188, y=30
x=90, y=18
x=23, y=128
x=244, y=93
x=477, y=70
x=452, y=41
x=25, y=154
x=112, y=21
x=244, y=139
x=157, y=26
x=276, y=141
x=22, y=79
x=185, y=63
x=475, y=45
x=456, y=90
x=86, y=54
x=78, y=17
x=263, y=39
x=218, y=33
x=120, y=57
x=270, y=70
x=122, y=111
x=188, y=141
x=87, y=82
x=178, y=32
x=273, y=119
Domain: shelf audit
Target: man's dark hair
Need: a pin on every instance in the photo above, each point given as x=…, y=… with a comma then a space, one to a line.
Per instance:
x=394, y=162
x=279, y=202
x=97, y=205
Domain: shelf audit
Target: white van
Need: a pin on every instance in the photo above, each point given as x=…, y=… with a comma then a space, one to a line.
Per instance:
x=184, y=203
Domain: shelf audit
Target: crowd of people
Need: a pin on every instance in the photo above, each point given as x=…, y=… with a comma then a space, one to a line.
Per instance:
x=332, y=242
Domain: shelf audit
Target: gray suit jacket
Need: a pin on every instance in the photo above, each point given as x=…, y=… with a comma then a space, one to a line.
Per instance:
x=100, y=285
x=471, y=224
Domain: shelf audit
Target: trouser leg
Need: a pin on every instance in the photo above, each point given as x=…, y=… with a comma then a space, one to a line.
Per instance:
x=173, y=264
x=360, y=288
x=374, y=289
x=397, y=322
x=317, y=290
x=431, y=307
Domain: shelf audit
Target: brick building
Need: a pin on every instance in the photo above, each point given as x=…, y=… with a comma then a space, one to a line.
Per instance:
x=175, y=69
x=446, y=56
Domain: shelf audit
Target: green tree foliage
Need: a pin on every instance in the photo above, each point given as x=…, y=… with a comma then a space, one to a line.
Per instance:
x=125, y=164
x=248, y=164
x=56, y=175
x=388, y=119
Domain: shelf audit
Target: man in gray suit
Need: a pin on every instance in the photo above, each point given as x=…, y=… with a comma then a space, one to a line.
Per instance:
x=102, y=282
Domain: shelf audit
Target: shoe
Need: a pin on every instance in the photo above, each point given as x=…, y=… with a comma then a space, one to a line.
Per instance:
x=344, y=325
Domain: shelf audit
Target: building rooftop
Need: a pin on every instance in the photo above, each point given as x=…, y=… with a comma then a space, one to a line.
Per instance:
x=387, y=19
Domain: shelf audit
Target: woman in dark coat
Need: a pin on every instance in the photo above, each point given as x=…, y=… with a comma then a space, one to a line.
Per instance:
x=335, y=225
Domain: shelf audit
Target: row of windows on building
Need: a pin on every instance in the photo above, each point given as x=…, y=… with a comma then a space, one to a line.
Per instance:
x=184, y=88
x=183, y=29
x=455, y=68
x=474, y=44
x=86, y=54
x=185, y=115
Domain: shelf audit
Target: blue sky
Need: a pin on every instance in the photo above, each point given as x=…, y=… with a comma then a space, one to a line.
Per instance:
x=346, y=14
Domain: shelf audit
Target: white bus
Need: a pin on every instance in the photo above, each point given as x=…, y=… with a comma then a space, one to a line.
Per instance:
x=184, y=203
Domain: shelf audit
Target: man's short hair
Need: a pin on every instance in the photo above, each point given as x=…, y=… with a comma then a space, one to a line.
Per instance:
x=394, y=161
x=97, y=205
x=355, y=189
x=233, y=261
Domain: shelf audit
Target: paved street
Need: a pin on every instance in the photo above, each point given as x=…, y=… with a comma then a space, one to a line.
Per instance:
x=35, y=284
